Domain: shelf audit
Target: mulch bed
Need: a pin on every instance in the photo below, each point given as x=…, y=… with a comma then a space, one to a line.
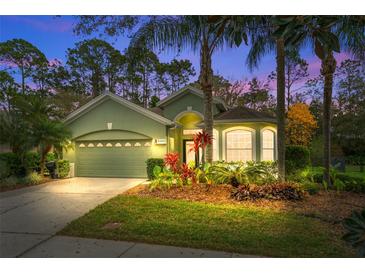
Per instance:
x=331, y=207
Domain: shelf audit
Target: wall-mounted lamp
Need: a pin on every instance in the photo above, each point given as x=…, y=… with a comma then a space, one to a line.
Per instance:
x=160, y=141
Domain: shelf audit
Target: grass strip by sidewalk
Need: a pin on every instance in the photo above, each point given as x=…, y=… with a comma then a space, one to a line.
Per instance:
x=231, y=228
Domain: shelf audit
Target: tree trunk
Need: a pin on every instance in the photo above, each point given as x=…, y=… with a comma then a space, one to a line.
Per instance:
x=328, y=69
x=205, y=79
x=23, y=80
x=280, y=108
x=288, y=87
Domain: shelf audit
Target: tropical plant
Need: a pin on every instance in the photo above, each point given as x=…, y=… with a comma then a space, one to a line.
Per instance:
x=264, y=41
x=277, y=191
x=327, y=34
x=355, y=226
x=204, y=33
x=233, y=174
x=172, y=161
x=165, y=179
x=201, y=141
x=263, y=172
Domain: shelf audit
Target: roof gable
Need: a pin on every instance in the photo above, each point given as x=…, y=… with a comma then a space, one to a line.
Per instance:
x=244, y=114
x=101, y=98
x=182, y=92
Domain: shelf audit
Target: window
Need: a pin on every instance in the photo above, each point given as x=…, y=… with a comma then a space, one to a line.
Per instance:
x=268, y=145
x=239, y=145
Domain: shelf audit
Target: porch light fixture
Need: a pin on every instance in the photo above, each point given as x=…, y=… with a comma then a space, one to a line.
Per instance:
x=160, y=142
x=109, y=125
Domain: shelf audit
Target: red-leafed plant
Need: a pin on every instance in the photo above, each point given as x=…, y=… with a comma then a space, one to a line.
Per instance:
x=186, y=173
x=171, y=160
x=201, y=140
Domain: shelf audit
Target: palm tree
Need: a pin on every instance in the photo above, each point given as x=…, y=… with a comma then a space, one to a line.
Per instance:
x=203, y=33
x=263, y=42
x=44, y=131
x=327, y=34
x=47, y=134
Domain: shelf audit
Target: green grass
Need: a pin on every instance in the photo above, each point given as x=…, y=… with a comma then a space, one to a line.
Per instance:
x=220, y=227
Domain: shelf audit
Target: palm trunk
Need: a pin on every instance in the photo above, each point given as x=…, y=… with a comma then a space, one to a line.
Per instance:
x=328, y=69
x=280, y=108
x=23, y=80
x=205, y=79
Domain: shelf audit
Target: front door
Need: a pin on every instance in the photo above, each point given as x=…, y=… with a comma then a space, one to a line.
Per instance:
x=189, y=154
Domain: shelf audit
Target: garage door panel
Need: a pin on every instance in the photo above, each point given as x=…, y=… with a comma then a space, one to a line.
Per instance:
x=112, y=161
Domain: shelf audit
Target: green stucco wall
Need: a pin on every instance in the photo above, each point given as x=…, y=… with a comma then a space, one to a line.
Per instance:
x=173, y=108
x=127, y=124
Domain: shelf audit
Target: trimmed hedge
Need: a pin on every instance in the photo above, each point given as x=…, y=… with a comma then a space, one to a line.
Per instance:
x=63, y=168
x=151, y=163
x=297, y=158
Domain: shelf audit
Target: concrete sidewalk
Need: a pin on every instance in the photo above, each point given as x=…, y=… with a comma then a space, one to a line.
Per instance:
x=73, y=247
x=32, y=215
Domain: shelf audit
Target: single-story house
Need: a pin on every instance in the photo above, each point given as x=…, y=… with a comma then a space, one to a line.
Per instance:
x=113, y=137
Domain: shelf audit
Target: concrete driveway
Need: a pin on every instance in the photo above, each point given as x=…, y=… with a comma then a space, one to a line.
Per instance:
x=31, y=216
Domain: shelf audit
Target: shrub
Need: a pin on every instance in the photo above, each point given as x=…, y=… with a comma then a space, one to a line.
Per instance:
x=4, y=169
x=13, y=164
x=343, y=181
x=50, y=157
x=164, y=179
x=352, y=183
x=355, y=226
x=233, y=174
x=311, y=187
x=296, y=158
x=10, y=181
x=32, y=161
x=32, y=178
x=242, y=173
x=151, y=163
x=277, y=191
x=263, y=172
x=63, y=168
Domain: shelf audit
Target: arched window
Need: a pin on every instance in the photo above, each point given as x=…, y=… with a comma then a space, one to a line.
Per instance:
x=239, y=145
x=268, y=145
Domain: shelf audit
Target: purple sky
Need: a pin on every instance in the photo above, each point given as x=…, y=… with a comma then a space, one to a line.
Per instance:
x=53, y=35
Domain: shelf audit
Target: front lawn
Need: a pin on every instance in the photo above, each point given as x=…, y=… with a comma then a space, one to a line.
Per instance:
x=228, y=227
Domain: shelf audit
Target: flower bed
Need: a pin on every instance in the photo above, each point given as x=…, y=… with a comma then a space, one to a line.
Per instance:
x=328, y=206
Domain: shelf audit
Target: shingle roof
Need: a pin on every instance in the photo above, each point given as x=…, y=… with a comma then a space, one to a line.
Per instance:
x=244, y=114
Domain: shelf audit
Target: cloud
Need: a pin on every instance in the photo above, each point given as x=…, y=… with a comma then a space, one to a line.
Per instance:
x=45, y=23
